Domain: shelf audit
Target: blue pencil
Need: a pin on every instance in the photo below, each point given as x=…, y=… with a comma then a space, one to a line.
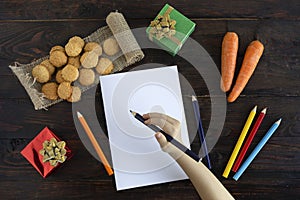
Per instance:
x=256, y=150
x=200, y=129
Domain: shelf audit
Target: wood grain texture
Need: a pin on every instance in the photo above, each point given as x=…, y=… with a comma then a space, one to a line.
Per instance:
x=28, y=29
x=92, y=9
x=25, y=41
x=34, y=39
x=275, y=170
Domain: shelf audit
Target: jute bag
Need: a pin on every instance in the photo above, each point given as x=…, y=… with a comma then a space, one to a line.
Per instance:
x=117, y=27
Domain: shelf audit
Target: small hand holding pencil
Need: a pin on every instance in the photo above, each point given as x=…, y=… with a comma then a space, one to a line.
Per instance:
x=171, y=125
x=206, y=184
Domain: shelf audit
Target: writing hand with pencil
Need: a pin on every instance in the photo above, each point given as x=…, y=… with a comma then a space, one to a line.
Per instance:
x=206, y=184
x=170, y=126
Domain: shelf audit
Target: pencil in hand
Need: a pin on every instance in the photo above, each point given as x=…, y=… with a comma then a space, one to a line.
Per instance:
x=168, y=137
x=95, y=144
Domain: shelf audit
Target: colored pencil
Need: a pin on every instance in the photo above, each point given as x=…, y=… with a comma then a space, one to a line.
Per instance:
x=249, y=140
x=239, y=142
x=168, y=137
x=200, y=129
x=95, y=143
x=257, y=149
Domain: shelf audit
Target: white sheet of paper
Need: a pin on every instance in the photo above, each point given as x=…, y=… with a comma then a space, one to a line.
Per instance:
x=136, y=155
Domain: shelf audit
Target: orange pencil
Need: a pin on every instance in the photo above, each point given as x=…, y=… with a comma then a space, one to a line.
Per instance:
x=95, y=143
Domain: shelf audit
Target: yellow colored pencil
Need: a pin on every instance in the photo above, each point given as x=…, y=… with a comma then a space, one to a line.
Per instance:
x=239, y=142
x=95, y=144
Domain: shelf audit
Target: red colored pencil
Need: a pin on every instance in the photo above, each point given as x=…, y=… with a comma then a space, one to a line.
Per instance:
x=249, y=140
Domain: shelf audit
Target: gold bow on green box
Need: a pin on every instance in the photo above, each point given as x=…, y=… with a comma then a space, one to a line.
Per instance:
x=170, y=29
x=163, y=26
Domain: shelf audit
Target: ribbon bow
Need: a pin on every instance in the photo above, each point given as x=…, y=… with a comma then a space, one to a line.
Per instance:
x=53, y=152
x=163, y=26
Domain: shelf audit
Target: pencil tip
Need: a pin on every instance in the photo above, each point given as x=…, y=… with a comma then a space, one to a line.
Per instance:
x=79, y=114
x=264, y=110
x=278, y=122
x=194, y=98
x=132, y=112
x=255, y=108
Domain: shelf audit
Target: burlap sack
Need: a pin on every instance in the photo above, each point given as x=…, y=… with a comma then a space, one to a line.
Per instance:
x=129, y=54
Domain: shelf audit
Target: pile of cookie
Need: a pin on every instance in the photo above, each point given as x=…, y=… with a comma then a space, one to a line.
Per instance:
x=78, y=60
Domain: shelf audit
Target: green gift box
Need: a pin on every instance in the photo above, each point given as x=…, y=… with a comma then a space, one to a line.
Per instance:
x=183, y=27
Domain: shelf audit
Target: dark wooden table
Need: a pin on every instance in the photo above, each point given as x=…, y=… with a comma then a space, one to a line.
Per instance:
x=29, y=28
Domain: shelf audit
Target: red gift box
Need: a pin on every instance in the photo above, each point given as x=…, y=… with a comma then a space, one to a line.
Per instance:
x=31, y=152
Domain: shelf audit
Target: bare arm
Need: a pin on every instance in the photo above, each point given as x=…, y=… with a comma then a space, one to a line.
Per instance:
x=206, y=184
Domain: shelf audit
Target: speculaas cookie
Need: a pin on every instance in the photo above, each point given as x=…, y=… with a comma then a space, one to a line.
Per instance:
x=64, y=90
x=76, y=94
x=89, y=60
x=110, y=46
x=50, y=90
x=41, y=74
x=75, y=61
x=104, y=66
x=74, y=46
x=58, y=77
x=49, y=66
x=94, y=47
x=58, y=58
x=58, y=48
x=86, y=77
x=69, y=73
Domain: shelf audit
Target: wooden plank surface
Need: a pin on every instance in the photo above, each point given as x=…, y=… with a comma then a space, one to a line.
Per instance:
x=92, y=9
x=28, y=29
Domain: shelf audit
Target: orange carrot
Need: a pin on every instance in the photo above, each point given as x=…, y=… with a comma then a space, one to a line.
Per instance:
x=251, y=58
x=229, y=53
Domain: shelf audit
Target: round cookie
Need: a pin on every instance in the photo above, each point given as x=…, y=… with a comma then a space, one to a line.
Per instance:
x=76, y=94
x=64, y=90
x=58, y=48
x=58, y=58
x=94, y=47
x=41, y=74
x=69, y=73
x=89, y=60
x=104, y=66
x=74, y=46
x=75, y=61
x=86, y=77
x=49, y=66
x=50, y=90
x=59, y=77
x=77, y=39
x=110, y=46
